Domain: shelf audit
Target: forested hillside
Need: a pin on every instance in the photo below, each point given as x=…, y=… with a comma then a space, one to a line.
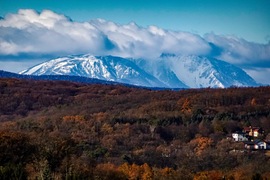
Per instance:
x=64, y=130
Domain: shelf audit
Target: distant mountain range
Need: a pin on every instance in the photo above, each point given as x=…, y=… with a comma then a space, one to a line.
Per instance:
x=167, y=71
x=76, y=79
x=5, y=74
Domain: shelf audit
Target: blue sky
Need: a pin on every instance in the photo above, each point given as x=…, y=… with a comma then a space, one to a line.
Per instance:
x=248, y=19
x=236, y=31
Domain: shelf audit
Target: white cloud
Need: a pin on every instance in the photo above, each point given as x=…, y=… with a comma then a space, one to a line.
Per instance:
x=133, y=40
x=239, y=51
x=48, y=33
x=28, y=17
x=7, y=47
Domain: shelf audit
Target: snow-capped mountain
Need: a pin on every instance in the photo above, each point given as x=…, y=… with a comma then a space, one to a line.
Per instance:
x=101, y=67
x=166, y=71
x=196, y=71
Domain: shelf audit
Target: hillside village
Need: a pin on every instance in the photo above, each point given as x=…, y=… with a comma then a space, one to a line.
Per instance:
x=252, y=137
x=64, y=130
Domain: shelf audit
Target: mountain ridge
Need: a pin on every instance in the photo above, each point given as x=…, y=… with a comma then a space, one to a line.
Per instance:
x=107, y=68
x=76, y=79
x=167, y=71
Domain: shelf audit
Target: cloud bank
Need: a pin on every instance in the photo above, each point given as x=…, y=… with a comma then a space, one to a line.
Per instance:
x=47, y=33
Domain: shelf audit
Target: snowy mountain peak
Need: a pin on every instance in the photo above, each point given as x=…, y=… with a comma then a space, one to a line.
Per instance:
x=197, y=71
x=101, y=67
x=167, y=71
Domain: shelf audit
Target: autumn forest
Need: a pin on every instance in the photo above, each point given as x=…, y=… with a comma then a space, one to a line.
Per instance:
x=67, y=130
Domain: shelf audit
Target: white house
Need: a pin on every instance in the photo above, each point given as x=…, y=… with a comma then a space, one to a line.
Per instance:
x=239, y=136
x=262, y=145
x=257, y=145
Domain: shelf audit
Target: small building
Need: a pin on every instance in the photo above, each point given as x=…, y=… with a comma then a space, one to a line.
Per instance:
x=253, y=131
x=262, y=145
x=257, y=145
x=239, y=136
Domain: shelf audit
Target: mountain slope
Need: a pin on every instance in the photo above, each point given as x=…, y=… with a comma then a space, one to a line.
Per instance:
x=160, y=69
x=168, y=71
x=101, y=67
x=196, y=71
